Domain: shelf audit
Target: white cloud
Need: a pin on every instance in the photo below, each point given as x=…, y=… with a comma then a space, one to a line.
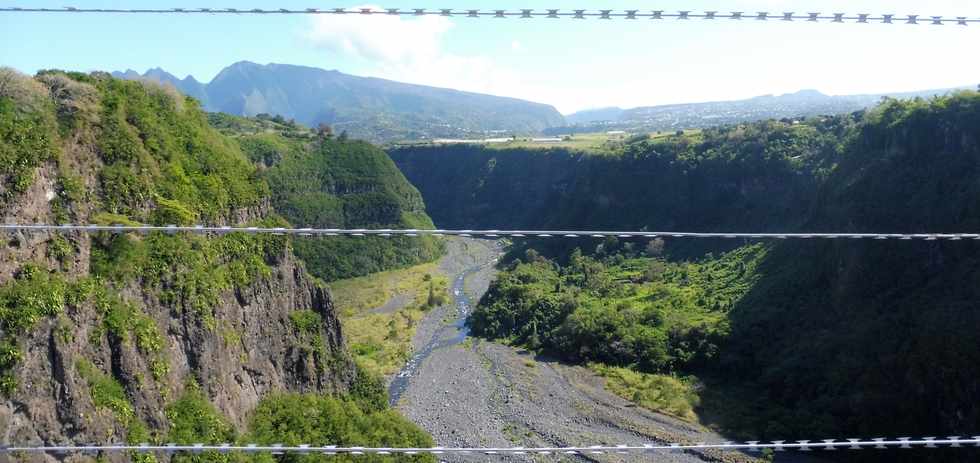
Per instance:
x=410, y=49
x=386, y=39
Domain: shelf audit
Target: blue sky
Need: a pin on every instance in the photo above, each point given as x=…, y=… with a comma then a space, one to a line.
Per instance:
x=570, y=64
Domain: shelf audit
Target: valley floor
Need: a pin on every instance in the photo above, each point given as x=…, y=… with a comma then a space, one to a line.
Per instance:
x=474, y=393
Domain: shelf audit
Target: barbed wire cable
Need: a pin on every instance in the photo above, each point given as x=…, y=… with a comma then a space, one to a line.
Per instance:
x=385, y=232
x=751, y=446
x=526, y=13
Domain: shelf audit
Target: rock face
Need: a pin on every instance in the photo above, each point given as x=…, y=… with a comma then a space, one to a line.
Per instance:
x=90, y=371
x=251, y=350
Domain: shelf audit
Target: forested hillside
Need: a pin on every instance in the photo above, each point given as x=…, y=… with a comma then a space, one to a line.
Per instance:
x=781, y=340
x=157, y=337
x=322, y=181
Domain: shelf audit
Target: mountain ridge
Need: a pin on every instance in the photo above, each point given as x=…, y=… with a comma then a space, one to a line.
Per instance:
x=371, y=108
x=801, y=103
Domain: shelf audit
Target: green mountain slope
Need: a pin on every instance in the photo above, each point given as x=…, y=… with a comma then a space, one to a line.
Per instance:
x=157, y=337
x=326, y=182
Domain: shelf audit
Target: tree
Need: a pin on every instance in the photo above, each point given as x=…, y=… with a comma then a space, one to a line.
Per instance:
x=432, y=302
x=324, y=131
x=655, y=247
x=655, y=270
x=532, y=255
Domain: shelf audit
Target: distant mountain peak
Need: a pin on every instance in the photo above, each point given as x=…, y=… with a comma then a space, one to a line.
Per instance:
x=808, y=92
x=244, y=64
x=159, y=74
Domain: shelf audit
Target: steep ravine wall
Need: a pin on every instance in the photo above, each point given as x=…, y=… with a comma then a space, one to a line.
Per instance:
x=96, y=348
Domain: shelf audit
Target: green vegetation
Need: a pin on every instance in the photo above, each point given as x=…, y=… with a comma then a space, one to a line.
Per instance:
x=354, y=296
x=361, y=418
x=27, y=128
x=237, y=126
x=194, y=420
x=163, y=164
x=381, y=342
x=306, y=321
x=662, y=393
x=393, y=110
x=294, y=419
x=620, y=309
x=307, y=324
x=158, y=146
x=34, y=294
x=106, y=391
x=190, y=271
x=330, y=183
x=109, y=395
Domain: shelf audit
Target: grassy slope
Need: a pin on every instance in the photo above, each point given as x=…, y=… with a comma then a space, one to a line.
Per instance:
x=382, y=342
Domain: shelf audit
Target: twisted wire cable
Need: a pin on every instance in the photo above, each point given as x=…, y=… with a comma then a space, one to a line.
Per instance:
x=752, y=446
x=386, y=232
x=530, y=13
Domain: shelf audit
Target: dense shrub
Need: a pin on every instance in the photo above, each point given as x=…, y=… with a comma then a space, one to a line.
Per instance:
x=317, y=420
x=607, y=311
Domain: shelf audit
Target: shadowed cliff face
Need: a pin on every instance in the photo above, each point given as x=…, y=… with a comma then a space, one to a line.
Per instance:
x=760, y=177
x=101, y=333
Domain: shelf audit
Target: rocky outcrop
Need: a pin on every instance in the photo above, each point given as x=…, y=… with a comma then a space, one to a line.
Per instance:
x=248, y=349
